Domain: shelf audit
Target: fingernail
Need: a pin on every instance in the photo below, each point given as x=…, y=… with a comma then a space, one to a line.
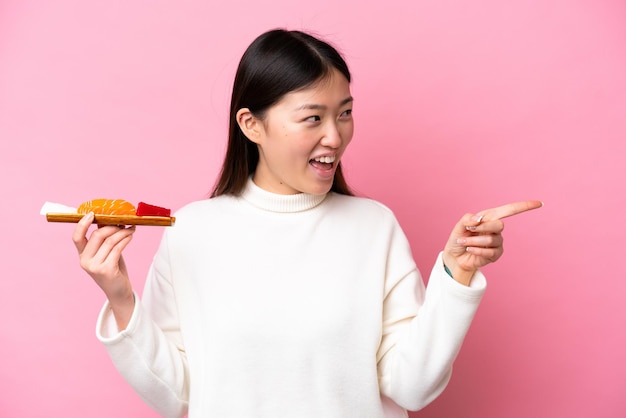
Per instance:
x=477, y=218
x=461, y=241
x=90, y=216
x=470, y=228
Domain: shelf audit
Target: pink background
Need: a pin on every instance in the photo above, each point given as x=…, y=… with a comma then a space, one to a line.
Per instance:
x=459, y=106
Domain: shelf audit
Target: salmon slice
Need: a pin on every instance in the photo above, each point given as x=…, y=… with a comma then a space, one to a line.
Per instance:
x=107, y=207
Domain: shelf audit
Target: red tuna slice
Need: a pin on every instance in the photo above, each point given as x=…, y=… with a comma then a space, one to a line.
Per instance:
x=144, y=209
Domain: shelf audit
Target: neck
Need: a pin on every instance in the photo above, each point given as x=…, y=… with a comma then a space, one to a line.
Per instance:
x=278, y=202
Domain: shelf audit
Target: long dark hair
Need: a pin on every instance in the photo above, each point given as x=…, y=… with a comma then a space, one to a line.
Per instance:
x=276, y=63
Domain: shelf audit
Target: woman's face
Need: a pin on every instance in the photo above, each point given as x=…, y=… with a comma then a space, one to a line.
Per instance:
x=303, y=137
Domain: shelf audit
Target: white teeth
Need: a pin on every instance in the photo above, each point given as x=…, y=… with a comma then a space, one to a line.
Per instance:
x=325, y=159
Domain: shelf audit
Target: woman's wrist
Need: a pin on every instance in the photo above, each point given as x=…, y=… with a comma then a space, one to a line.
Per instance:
x=458, y=274
x=122, y=310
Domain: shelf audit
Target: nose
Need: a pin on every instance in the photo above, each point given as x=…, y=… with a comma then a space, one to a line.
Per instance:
x=332, y=137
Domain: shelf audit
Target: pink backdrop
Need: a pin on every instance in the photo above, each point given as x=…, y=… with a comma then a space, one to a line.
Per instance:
x=460, y=106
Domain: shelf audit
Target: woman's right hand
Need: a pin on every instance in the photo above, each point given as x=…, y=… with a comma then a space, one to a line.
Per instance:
x=101, y=257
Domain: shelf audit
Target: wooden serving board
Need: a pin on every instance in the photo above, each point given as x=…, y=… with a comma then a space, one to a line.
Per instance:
x=114, y=219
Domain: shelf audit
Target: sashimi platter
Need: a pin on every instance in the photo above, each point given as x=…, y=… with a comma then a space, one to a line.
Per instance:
x=110, y=212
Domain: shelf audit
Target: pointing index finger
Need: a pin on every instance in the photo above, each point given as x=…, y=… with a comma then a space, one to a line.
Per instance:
x=509, y=209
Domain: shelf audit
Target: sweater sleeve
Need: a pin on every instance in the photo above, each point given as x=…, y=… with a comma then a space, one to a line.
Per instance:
x=423, y=329
x=149, y=353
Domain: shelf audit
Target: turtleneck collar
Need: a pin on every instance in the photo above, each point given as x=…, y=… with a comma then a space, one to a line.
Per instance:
x=279, y=202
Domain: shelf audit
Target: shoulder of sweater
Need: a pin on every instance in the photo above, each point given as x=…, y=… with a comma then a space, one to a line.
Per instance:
x=360, y=203
x=202, y=204
x=198, y=209
x=362, y=211
x=363, y=205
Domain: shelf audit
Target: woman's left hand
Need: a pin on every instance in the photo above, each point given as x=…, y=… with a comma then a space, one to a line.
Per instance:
x=476, y=239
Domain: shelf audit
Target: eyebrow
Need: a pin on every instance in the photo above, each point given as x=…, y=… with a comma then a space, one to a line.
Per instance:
x=313, y=106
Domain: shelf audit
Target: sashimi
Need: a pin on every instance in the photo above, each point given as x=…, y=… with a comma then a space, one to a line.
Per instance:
x=107, y=207
x=144, y=209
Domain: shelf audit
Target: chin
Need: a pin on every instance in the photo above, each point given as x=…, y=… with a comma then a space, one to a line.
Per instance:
x=319, y=189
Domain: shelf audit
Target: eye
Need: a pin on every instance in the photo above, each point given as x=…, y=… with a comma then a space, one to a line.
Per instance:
x=313, y=119
x=346, y=114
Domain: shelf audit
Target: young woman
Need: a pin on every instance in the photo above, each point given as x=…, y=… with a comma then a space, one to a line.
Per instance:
x=283, y=294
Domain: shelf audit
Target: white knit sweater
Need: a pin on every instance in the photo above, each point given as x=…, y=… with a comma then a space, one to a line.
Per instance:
x=290, y=306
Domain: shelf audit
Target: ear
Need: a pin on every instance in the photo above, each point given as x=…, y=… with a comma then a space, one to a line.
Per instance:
x=249, y=125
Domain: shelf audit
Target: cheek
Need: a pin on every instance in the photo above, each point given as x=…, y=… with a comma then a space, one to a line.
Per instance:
x=347, y=132
x=294, y=146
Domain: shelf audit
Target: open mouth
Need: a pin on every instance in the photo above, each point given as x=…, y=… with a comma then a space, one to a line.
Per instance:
x=325, y=163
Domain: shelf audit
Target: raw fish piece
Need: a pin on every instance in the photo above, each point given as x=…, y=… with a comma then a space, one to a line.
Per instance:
x=107, y=207
x=144, y=209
